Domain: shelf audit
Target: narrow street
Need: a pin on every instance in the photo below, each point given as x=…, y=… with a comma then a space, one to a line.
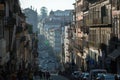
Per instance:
x=53, y=77
x=47, y=59
x=58, y=77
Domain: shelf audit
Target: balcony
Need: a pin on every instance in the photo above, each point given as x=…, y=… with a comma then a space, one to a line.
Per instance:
x=85, y=6
x=89, y=22
x=97, y=21
x=81, y=23
x=106, y=20
x=93, y=44
x=78, y=45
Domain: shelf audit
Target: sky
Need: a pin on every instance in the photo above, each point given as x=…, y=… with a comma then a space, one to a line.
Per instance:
x=49, y=4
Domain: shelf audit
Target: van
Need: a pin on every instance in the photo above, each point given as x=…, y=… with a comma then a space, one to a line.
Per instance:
x=93, y=73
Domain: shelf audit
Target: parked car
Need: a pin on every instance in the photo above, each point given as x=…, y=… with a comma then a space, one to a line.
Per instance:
x=107, y=77
x=85, y=76
x=82, y=75
x=99, y=76
x=117, y=76
x=76, y=74
x=93, y=73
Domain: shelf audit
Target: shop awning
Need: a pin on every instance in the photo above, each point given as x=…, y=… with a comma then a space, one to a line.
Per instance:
x=115, y=54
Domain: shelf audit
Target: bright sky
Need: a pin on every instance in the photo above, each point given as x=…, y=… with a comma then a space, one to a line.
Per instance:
x=50, y=4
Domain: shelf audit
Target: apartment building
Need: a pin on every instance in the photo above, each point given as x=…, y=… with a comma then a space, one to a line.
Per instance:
x=32, y=18
x=13, y=27
x=66, y=45
x=114, y=42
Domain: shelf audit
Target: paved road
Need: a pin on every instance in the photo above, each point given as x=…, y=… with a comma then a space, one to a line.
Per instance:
x=53, y=77
x=58, y=77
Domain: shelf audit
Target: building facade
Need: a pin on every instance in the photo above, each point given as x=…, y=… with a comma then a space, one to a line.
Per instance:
x=32, y=18
x=13, y=36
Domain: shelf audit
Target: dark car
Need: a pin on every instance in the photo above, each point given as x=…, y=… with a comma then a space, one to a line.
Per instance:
x=93, y=73
x=99, y=76
x=106, y=77
x=76, y=75
x=117, y=77
x=85, y=76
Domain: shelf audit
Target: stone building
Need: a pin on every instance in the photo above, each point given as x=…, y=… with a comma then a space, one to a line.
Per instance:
x=13, y=27
x=31, y=18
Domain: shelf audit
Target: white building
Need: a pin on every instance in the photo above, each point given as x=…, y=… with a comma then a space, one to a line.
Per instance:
x=52, y=32
x=55, y=40
x=66, y=44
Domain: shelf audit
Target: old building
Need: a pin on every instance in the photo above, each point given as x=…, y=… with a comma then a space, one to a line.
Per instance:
x=99, y=23
x=66, y=44
x=114, y=42
x=13, y=28
x=79, y=58
x=32, y=18
x=93, y=24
